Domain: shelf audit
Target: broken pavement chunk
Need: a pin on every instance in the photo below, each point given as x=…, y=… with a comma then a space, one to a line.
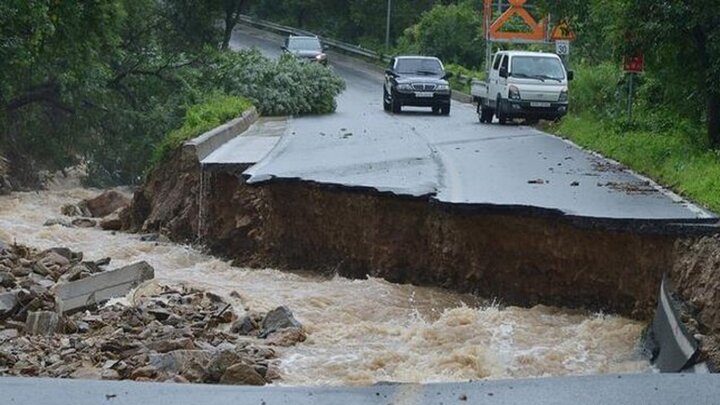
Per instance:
x=101, y=287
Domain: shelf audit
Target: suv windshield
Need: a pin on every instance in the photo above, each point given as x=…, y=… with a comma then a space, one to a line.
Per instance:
x=419, y=66
x=537, y=67
x=304, y=44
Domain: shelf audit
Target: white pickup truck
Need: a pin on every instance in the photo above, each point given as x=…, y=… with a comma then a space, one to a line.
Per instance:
x=529, y=85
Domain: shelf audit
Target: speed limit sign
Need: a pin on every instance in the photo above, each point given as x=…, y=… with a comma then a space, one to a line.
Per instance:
x=562, y=47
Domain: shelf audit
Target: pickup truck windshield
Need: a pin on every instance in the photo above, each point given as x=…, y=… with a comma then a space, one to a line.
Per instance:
x=537, y=67
x=419, y=66
x=304, y=44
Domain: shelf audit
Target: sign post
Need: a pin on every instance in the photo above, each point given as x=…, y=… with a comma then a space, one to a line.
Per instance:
x=633, y=65
x=562, y=35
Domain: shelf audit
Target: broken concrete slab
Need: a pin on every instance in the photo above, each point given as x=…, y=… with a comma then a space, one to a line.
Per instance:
x=42, y=323
x=101, y=287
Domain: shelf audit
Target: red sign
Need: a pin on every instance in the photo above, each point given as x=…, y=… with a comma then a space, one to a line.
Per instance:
x=635, y=64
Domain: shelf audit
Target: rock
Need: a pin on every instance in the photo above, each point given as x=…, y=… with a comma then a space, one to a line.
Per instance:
x=278, y=318
x=7, y=280
x=84, y=223
x=7, y=334
x=75, y=210
x=52, y=258
x=58, y=221
x=8, y=303
x=286, y=337
x=42, y=323
x=111, y=223
x=164, y=346
x=110, y=375
x=107, y=203
x=87, y=373
x=148, y=372
x=64, y=252
x=177, y=361
x=219, y=363
x=242, y=374
x=245, y=326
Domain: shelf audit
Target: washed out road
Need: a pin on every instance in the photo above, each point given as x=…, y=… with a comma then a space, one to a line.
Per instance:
x=452, y=159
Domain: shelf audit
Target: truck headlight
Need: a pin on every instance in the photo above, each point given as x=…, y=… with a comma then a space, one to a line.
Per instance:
x=563, y=96
x=404, y=87
x=513, y=93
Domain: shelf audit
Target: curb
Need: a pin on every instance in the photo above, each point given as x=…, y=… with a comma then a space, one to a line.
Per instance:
x=207, y=143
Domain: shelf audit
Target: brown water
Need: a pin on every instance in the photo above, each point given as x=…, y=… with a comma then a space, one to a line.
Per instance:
x=362, y=331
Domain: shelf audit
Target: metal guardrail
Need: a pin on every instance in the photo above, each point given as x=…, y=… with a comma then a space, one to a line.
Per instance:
x=339, y=45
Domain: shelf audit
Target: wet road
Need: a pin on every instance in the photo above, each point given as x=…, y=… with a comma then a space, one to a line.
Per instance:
x=453, y=159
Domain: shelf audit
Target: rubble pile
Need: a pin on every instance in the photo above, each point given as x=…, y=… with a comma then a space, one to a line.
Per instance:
x=172, y=333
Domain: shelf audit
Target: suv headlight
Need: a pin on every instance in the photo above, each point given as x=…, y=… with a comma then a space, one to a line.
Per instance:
x=563, y=96
x=513, y=93
x=443, y=87
x=404, y=87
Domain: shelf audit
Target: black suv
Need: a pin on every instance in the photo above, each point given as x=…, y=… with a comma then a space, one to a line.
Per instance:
x=306, y=48
x=418, y=81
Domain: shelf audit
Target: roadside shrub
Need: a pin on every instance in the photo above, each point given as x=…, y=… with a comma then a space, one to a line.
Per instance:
x=286, y=86
x=201, y=118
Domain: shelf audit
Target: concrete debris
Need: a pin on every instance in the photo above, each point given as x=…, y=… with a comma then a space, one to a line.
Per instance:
x=106, y=203
x=101, y=287
x=168, y=334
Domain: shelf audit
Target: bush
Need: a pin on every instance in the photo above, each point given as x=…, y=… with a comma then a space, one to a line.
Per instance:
x=286, y=86
x=200, y=118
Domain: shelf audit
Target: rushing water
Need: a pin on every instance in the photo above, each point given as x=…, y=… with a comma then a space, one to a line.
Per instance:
x=362, y=331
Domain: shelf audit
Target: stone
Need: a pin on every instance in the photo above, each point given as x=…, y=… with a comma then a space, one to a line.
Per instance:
x=84, y=223
x=176, y=361
x=109, y=375
x=7, y=334
x=111, y=223
x=219, y=363
x=242, y=374
x=245, y=326
x=43, y=323
x=72, y=210
x=107, y=203
x=148, y=372
x=7, y=279
x=164, y=345
x=101, y=287
x=59, y=222
x=278, y=318
x=52, y=258
x=286, y=337
x=87, y=373
x=8, y=303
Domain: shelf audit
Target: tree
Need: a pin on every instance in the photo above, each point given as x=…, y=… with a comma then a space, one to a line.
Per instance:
x=232, y=10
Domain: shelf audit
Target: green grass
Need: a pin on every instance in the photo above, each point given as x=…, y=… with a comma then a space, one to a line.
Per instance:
x=199, y=119
x=463, y=85
x=672, y=157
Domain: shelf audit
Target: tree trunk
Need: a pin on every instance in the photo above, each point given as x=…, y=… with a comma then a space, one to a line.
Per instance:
x=227, y=35
x=713, y=110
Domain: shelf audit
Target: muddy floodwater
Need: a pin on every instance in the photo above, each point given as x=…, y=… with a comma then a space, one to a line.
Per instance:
x=362, y=331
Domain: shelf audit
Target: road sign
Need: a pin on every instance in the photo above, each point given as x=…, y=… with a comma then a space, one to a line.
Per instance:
x=562, y=47
x=635, y=63
x=562, y=32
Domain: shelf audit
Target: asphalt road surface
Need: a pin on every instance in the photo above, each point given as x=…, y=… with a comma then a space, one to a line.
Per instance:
x=453, y=159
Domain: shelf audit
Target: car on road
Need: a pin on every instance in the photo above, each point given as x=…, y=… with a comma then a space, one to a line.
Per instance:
x=419, y=81
x=528, y=85
x=306, y=48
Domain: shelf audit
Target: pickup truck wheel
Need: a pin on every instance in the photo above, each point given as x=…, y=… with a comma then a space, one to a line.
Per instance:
x=386, y=103
x=445, y=110
x=486, y=114
x=500, y=113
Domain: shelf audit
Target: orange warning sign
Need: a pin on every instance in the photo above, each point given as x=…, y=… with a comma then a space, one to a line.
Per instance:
x=493, y=29
x=562, y=32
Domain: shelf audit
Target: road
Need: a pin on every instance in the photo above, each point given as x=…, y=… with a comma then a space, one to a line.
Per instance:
x=454, y=159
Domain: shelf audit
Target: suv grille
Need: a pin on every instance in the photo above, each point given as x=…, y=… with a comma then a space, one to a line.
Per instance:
x=424, y=87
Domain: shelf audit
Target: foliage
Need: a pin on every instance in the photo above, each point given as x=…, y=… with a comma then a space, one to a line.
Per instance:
x=286, y=86
x=199, y=119
x=452, y=33
x=463, y=77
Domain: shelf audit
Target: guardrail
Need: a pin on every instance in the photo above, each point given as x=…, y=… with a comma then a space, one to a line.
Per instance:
x=339, y=45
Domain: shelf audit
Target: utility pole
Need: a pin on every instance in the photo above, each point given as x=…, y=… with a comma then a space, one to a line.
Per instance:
x=387, y=26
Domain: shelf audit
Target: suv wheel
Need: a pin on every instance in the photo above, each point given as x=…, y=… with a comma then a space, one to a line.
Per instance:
x=386, y=103
x=396, y=106
x=445, y=110
x=436, y=109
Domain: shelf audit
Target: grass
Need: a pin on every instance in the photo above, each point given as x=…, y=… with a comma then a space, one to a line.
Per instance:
x=672, y=157
x=199, y=119
x=463, y=85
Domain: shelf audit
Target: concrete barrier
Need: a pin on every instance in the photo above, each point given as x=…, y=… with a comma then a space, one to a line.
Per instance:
x=208, y=142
